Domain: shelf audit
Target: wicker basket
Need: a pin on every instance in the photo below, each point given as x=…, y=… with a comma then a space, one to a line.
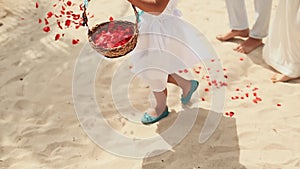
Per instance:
x=114, y=52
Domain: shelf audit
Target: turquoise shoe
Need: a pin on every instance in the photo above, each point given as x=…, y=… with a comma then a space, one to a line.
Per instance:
x=147, y=119
x=194, y=86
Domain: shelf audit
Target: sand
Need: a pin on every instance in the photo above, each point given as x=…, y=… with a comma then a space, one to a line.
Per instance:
x=39, y=126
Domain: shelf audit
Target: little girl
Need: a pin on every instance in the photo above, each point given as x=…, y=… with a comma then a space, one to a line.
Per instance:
x=165, y=45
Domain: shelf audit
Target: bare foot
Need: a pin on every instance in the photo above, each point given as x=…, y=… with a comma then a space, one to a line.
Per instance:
x=248, y=45
x=281, y=78
x=233, y=33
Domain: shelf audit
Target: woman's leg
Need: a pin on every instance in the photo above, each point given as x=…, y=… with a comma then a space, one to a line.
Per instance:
x=238, y=20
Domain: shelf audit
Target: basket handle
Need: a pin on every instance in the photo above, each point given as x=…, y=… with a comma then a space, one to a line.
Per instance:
x=85, y=18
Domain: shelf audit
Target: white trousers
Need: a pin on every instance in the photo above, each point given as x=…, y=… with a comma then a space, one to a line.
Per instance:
x=238, y=16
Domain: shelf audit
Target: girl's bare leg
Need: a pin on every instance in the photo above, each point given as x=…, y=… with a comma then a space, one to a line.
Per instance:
x=161, y=103
x=183, y=83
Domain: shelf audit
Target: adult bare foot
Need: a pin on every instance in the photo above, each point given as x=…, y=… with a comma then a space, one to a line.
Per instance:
x=248, y=45
x=281, y=78
x=233, y=33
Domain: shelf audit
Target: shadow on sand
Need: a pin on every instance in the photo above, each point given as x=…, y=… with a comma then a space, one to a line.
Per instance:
x=221, y=151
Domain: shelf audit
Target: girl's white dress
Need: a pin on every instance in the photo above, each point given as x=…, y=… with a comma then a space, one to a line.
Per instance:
x=282, y=50
x=167, y=44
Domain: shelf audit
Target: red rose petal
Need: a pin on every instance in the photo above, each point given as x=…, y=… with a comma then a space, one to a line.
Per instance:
x=254, y=101
x=46, y=21
x=49, y=14
x=213, y=60
x=46, y=29
x=57, y=36
x=227, y=114
x=226, y=76
x=241, y=59
x=36, y=5
x=185, y=71
x=40, y=20
x=254, y=94
x=254, y=89
x=59, y=24
x=247, y=94
x=75, y=41
x=81, y=7
x=203, y=99
x=180, y=71
x=258, y=99
x=231, y=114
x=68, y=22
x=278, y=105
x=206, y=90
x=111, y=18
x=69, y=3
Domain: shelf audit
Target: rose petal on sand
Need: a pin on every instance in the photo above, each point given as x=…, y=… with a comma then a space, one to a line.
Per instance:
x=68, y=22
x=46, y=29
x=75, y=41
x=46, y=21
x=36, y=5
x=69, y=3
x=49, y=14
x=57, y=36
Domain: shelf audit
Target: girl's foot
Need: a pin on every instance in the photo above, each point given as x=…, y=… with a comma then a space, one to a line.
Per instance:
x=149, y=119
x=248, y=45
x=233, y=33
x=281, y=78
